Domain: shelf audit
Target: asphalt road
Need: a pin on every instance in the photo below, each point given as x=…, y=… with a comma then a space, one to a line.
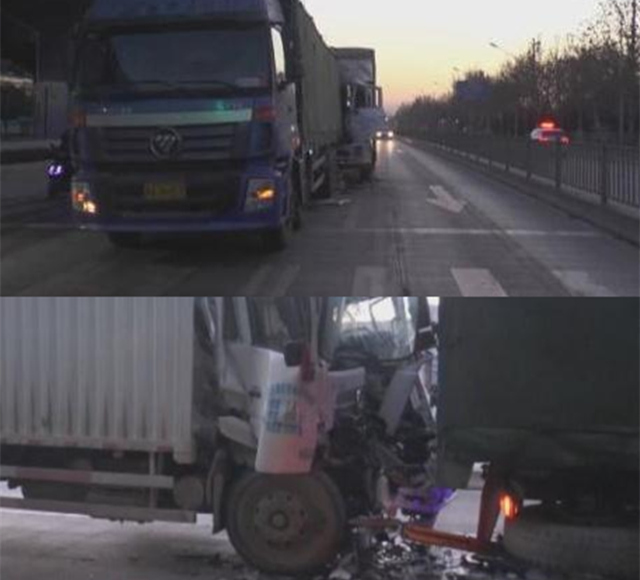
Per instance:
x=44, y=545
x=424, y=226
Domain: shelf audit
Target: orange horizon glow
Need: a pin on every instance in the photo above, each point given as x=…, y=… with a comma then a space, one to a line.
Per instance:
x=422, y=46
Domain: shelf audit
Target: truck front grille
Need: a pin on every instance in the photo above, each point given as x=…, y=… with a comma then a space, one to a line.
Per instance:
x=199, y=143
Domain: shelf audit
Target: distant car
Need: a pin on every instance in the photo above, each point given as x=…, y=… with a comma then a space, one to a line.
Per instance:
x=548, y=136
x=386, y=135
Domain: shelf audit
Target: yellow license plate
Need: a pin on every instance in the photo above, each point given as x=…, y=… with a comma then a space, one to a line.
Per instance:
x=164, y=191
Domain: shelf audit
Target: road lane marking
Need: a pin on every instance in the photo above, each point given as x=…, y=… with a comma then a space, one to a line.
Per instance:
x=255, y=285
x=477, y=282
x=286, y=277
x=444, y=200
x=352, y=219
x=271, y=280
x=582, y=284
x=369, y=281
x=466, y=232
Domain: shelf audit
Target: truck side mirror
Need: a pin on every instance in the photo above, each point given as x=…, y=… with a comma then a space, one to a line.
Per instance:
x=425, y=339
x=294, y=354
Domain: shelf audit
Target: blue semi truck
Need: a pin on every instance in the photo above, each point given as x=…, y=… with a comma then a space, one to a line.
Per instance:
x=201, y=116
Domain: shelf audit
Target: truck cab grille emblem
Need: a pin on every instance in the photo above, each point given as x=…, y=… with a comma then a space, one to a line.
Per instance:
x=165, y=143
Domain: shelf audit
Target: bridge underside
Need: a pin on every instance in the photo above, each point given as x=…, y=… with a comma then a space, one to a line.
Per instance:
x=36, y=34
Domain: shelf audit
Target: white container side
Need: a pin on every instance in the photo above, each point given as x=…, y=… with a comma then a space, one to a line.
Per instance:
x=100, y=373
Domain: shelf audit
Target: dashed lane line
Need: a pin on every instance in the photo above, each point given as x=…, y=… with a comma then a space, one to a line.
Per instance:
x=369, y=281
x=255, y=285
x=270, y=280
x=581, y=283
x=469, y=232
x=286, y=277
x=477, y=282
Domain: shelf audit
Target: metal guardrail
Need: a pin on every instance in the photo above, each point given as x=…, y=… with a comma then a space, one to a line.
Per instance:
x=609, y=172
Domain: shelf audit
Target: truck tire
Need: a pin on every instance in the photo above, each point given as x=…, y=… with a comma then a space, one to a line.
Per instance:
x=125, y=240
x=286, y=524
x=543, y=538
x=366, y=174
x=297, y=200
x=277, y=240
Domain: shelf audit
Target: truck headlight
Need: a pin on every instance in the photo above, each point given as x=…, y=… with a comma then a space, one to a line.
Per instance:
x=81, y=198
x=261, y=194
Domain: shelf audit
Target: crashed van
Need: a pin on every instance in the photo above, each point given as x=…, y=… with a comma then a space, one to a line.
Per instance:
x=283, y=418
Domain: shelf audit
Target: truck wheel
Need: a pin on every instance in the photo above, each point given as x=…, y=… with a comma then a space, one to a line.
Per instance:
x=286, y=524
x=277, y=240
x=296, y=211
x=544, y=538
x=366, y=174
x=125, y=240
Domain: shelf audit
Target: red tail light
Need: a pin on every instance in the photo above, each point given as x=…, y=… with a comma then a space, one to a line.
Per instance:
x=509, y=506
x=264, y=113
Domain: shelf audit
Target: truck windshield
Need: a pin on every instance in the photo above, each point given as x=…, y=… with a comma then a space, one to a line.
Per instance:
x=164, y=60
x=381, y=328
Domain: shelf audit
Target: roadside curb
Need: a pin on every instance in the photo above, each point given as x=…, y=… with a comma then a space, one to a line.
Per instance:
x=618, y=225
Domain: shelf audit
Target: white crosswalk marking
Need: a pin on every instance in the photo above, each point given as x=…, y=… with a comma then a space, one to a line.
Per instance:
x=369, y=281
x=271, y=281
x=477, y=282
x=255, y=285
x=582, y=284
x=286, y=277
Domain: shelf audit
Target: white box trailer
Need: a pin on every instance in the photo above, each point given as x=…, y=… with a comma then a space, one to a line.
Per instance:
x=364, y=113
x=98, y=373
x=150, y=409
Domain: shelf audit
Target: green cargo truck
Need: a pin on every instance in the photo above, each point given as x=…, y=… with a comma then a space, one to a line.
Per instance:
x=546, y=394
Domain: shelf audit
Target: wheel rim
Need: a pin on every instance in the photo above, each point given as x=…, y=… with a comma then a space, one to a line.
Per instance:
x=281, y=519
x=286, y=524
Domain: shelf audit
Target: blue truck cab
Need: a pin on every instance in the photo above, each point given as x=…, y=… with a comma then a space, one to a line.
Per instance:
x=186, y=117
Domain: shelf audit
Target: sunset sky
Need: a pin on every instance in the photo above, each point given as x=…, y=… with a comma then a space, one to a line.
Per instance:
x=419, y=42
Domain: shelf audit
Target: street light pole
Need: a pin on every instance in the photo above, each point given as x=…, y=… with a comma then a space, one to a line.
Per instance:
x=495, y=45
x=498, y=47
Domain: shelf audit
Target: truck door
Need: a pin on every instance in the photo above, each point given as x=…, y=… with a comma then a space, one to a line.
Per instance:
x=287, y=133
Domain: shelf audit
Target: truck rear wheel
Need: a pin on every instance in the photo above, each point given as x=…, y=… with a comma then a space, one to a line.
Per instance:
x=542, y=537
x=286, y=524
x=366, y=173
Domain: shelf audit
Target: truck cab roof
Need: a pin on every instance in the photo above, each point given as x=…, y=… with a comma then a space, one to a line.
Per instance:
x=105, y=11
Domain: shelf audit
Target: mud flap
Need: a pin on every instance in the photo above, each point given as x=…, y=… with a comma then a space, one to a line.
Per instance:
x=217, y=484
x=490, y=506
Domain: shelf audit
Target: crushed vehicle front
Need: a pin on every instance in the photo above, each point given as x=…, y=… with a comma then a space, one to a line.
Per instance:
x=381, y=450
